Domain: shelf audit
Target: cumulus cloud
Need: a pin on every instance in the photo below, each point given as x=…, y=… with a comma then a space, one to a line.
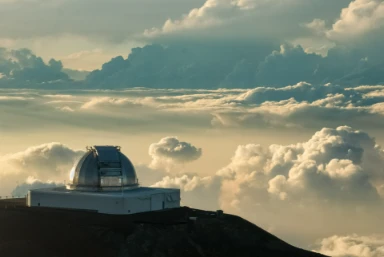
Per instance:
x=211, y=13
x=336, y=165
x=44, y=162
x=359, y=18
x=172, y=151
x=245, y=18
x=358, y=28
x=46, y=157
x=352, y=246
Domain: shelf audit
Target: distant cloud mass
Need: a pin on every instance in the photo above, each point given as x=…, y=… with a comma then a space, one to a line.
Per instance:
x=20, y=66
x=232, y=44
x=235, y=65
x=200, y=44
x=170, y=151
x=45, y=157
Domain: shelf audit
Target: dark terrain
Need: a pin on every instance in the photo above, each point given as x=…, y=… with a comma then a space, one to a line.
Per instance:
x=43, y=232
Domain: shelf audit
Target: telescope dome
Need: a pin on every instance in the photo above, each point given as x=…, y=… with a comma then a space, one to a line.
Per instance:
x=103, y=168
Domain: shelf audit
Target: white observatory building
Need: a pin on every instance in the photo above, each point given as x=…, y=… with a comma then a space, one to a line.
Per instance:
x=105, y=181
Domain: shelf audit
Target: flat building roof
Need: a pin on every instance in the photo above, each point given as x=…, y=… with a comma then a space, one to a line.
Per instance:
x=139, y=191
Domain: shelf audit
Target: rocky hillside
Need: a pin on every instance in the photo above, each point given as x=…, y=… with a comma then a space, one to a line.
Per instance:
x=43, y=232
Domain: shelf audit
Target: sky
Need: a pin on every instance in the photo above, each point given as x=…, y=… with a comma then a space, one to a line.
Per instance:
x=268, y=109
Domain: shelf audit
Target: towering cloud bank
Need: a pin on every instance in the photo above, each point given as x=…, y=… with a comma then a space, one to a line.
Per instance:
x=260, y=50
x=235, y=65
x=335, y=165
x=226, y=43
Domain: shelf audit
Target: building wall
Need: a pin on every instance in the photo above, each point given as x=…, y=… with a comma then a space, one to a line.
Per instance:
x=104, y=204
x=110, y=204
x=172, y=199
x=137, y=204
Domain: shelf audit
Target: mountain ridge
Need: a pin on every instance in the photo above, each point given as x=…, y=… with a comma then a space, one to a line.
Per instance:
x=46, y=232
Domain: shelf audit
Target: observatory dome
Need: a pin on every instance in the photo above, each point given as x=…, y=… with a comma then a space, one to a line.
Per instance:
x=103, y=168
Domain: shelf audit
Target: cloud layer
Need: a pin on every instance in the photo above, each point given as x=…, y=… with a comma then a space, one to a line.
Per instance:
x=298, y=106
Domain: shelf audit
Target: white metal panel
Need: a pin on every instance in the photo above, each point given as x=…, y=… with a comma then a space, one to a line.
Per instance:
x=140, y=200
x=106, y=204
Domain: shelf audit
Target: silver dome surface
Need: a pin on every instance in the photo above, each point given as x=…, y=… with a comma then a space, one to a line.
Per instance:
x=103, y=168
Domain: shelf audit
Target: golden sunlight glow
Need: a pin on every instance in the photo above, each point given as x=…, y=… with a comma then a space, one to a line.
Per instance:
x=72, y=174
